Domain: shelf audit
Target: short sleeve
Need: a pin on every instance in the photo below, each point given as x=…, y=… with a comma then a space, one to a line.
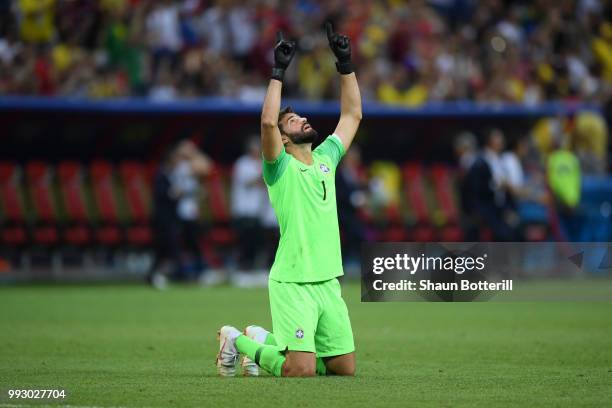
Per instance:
x=273, y=170
x=332, y=147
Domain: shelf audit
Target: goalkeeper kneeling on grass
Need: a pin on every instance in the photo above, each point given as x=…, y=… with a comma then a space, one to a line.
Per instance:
x=312, y=330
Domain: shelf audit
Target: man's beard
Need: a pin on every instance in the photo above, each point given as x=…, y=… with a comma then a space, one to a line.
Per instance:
x=304, y=136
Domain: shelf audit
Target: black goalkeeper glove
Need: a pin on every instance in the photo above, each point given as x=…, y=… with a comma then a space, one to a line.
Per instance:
x=284, y=51
x=340, y=45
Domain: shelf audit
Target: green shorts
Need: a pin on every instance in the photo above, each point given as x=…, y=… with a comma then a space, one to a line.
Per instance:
x=311, y=317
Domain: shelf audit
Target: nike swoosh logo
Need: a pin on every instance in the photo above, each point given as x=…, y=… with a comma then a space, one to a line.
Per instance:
x=303, y=170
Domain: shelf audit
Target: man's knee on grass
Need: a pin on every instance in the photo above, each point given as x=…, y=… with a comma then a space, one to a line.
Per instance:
x=299, y=364
x=341, y=365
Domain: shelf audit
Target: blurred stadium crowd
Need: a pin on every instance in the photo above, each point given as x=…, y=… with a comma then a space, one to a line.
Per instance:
x=406, y=52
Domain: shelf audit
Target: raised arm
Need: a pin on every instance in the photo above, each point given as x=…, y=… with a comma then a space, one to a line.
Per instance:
x=350, y=98
x=200, y=163
x=271, y=142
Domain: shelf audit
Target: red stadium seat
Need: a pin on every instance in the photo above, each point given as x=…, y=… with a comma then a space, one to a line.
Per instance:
x=442, y=182
x=137, y=189
x=150, y=169
x=72, y=188
x=415, y=194
x=415, y=191
x=220, y=234
x=451, y=233
x=140, y=235
x=108, y=232
x=108, y=235
x=39, y=176
x=11, y=206
x=218, y=199
x=394, y=233
x=14, y=236
x=443, y=185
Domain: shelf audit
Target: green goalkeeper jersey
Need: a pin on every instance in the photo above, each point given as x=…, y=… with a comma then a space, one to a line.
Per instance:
x=304, y=200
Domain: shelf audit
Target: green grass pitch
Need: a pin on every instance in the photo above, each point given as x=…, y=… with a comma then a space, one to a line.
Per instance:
x=132, y=346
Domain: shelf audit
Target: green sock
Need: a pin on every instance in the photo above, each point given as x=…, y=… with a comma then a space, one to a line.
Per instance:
x=264, y=355
x=321, y=369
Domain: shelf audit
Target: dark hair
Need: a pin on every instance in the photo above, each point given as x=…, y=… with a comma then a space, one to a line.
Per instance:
x=489, y=134
x=169, y=150
x=281, y=114
x=515, y=142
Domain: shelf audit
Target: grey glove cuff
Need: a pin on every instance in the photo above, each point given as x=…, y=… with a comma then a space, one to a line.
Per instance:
x=278, y=73
x=344, y=68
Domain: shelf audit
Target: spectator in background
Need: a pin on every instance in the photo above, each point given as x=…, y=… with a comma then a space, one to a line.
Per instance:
x=229, y=29
x=248, y=198
x=165, y=223
x=514, y=175
x=494, y=146
x=484, y=195
x=590, y=142
x=163, y=31
x=466, y=150
x=165, y=88
x=124, y=43
x=521, y=186
x=563, y=176
x=412, y=52
x=176, y=212
x=185, y=181
x=36, y=21
x=314, y=71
